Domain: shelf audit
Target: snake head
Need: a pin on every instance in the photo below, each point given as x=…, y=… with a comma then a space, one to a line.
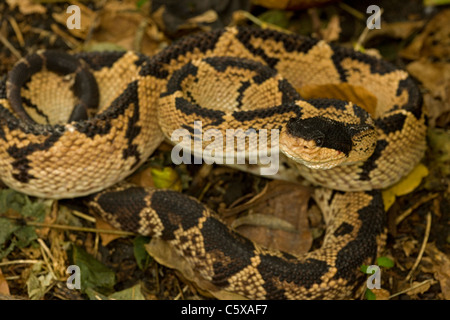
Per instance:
x=322, y=143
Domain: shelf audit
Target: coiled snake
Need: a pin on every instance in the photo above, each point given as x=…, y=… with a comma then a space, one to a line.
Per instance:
x=236, y=78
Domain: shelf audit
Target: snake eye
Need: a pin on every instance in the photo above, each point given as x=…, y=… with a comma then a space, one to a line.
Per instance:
x=318, y=141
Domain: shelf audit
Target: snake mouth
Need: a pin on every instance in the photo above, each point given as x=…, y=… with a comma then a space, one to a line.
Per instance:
x=310, y=153
x=314, y=163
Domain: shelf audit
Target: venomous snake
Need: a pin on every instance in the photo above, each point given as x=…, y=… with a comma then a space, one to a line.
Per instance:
x=232, y=78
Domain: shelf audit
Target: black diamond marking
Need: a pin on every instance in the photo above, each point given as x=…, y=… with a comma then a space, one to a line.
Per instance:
x=332, y=134
x=250, y=115
x=415, y=100
x=391, y=123
x=133, y=131
x=176, y=210
x=123, y=205
x=174, y=83
x=98, y=61
x=364, y=246
x=343, y=229
x=305, y=273
x=22, y=164
x=369, y=165
x=189, y=108
x=201, y=42
x=290, y=43
x=289, y=93
x=219, y=239
x=222, y=63
x=244, y=86
x=31, y=105
x=99, y=124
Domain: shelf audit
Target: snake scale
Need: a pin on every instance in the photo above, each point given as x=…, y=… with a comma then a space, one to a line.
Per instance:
x=231, y=78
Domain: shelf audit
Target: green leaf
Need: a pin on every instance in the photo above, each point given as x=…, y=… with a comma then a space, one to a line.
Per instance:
x=141, y=255
x=12, y=233
x=140, y=3
x=279, y=18
x=363, y=268
x=166, y=178
x=370, y=295
x=94, y=274
x=385, y=262
x=94, y=295
x=133, y=293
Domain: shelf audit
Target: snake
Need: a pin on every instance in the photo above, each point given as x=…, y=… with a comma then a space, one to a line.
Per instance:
x=242, y=78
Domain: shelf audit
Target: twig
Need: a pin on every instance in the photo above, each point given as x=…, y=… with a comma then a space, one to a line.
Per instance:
x=422, y=249
x=352, y=11
x=412, y=288
x=11, y=48
x=74, y=228
x=22, y=261
x=17, y=31
x=407, y=212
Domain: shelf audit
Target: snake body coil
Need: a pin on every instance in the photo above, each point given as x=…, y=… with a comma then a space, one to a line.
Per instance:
x=236, y=78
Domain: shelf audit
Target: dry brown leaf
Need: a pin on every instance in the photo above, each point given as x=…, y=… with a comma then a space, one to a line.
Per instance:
x=433, y=41
x=401, y=29
x=381, y=294
x=27, y=6
x=289, y=4
x=343, y=91
x=418, y=288
x=143, y=178
x=435, y=77
x=120, y=23
x=88, y=20
x=278, y=218
x=333, y=29
x=408, y=246
x=164, y=254
x=106, y=237
x=440, y=266
x=4, y=288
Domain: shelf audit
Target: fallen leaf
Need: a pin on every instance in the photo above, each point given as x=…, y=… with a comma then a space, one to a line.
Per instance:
x=440, y=266
x=94, y=274
x=405, y=185
x=106, y=237
x=381, y=294
x=166, y=178
x=278, y=218
x=133, y=293
x=343, y=91
x=123, y=25
x=333, y=29
x=419, y=289
x=39, y=280
x=289, y=4
x=27, y=6
x=435, y=77
x=4, y=288
x=409, y=246
x=432, y=41
x=88, y=20
x=400, y=29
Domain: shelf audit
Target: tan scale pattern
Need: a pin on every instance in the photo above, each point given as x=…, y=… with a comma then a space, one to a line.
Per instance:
x=77, y=164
